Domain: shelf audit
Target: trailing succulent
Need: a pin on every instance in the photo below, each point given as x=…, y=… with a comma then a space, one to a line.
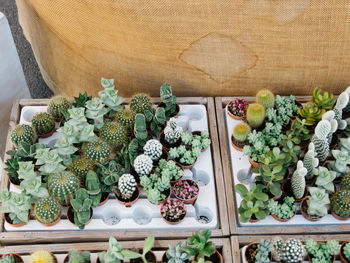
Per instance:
x=169, y=169
x=49, y=161
x=95, y=110
x=110, y=96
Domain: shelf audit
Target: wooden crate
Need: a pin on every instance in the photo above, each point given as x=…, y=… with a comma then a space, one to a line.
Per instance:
x=237, y=242
x=235, y=228
x=223, y=245
x=93, y=235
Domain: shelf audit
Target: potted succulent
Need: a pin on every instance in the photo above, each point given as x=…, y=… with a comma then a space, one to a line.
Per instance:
x=43, y=124
x=157, y=187
x=23, y=133
x=196, y=139
x=340, y=205
x=240, y=135
x=186, y=158
x=11, y=167
x=11, y=258
x=154, y=149
x=171, y=135
x=258, y=252
x=282, y=211
x=172, y=109
x=175, y=254
x=47, y=211
x=173, y=211
x=314, y=207
x=113, y=254
x=321, y=252
x=186, y=190
x=57, y=105
x=75, y=256
x=144, y=256
x=344, y=252
x=296, y=185
x=237, y=108
x=80, y=212
x=171, y=169
x=43, y=256
x=127, y=192
x=290, y=250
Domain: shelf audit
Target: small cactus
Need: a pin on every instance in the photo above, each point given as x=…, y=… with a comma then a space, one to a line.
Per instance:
x=276, y=250
x=154, y=149
x=143, y=164
x=47, y=210
x=298, y=180
x=23, y=133
x=80, y=167
x=126, y=117
x=172, y=131
x=140, y=103
x=43, y=123
x=255, y=115
x=57, y=105
x=127, y=185
x=63, y=186
x=97, y=150
x=345, y=182
x=265, y=98
x=113, y=133
x=292, y=251
x=310, y=161
x=241, y=131
x=42, y=256
x=319, y=139
x=340, y=203
x=340, y=105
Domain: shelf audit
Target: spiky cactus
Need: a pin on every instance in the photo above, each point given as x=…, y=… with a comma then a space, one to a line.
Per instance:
x=345, y=182
x=42, y=256
x=113, y=133
x=276, y=250
x=340, y=203
x=126, y=117
x=340, y=105
x=172, y=131
x=298, y=180
x=63, y=186
x=319, y=139
x=310, y=161
x=127, y=185
x=57, y=105
x=97, y=150
x=23, y=133
x=292, y=251
x=255, y=115
x=265, y=98
x=241, y=131
x=330, y=116
x=80, y=167
x=153, y=148
x=143, y=164
x=43, y=123
x=47, y=210
x=140, y=103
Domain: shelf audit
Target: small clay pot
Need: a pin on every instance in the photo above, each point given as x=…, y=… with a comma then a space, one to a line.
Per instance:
x=341, y=255
x=254, y=219
x=18, y=258
x=171, y=222
x=18, y=225
x=104, y=199
x=253, y=163
x=130, y=202
x=250, y=245
x=162, y=105
x=283, y=220
x=234, y=116
x=70, y=215
x=303, y=209
x=184, y=166
x=46, y=135
x=215, y=257
x=149, y=252
x=191, y=201
x=236, y=144
x=337, y=216
x=165, y=144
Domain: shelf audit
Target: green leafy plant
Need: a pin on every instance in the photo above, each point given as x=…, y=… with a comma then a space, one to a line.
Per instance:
x=49, y=161
x=299, y=131
x=155, y=186
x=81, y=100
x=169, y=169
x=75, y=256
x=113, y=254
x=16, y=205
x=148, y=244
x=321, y=252
x=199, y=246
x=283, y=210
x=11, y=167
x=23, y=133
x=317, y=202
x=81, y=208
x=25, y=152
x=323, y=99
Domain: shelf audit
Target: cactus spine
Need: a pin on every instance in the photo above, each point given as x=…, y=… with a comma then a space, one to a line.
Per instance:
x=340, y=203
x=43, y=123
x=80, y=167
x=319, y=139
x=127, y=185
x=97, y=150
x=126, y=117
x=265, y=98
x=255, y=115
x=298, y=180
x=310, y=161
x=241, y=131
x=23, y=133
x=172, y=131
x=57, y=105
x=47, y=210
x=292, y=251
x=140, y=103
x=113, y=133
x=63, y=186
x=42, y=256
x=154, y=149
x=143, y=165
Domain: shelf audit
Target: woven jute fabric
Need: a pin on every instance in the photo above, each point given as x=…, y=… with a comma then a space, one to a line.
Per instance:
x=202, y=47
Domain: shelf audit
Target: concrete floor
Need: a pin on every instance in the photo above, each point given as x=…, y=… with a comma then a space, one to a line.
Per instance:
x=35, y=82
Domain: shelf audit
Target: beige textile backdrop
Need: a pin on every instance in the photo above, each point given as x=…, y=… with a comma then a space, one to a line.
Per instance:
x=202, y=47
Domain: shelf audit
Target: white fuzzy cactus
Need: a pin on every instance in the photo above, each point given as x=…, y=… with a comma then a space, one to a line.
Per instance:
x=292, y=251
x=342, y=102
x=319, y=139
x=127, y=185
x=143, y=164
x=298, y=180
x=172, y=131
x=153, y=148
x=330, y=116
x=310, y=161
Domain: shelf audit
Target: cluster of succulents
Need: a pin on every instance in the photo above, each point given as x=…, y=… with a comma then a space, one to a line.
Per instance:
x=185, y=156
x=156, y=186
x=238, y=107
x=320, y=251
x=169, y=169
x=185, y=189
x=201, y=140
x=173, y=210
x=283, y=210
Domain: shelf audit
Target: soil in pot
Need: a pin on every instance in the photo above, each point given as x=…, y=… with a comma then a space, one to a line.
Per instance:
x=250, y=252
x=150, y=257
x=214, y=258
x=167, y=145
x=131, y=200
x=237, y=144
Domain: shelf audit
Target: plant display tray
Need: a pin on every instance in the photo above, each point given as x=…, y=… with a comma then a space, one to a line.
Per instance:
x=236, y=169
x=239, y=244
x=143, y=218
x=223, y=245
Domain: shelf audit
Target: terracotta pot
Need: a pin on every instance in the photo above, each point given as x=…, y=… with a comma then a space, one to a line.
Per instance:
x=19, y=258
x=15, y=185
x=18, y=225
x=52, y=223
x=154, y=256
x=338, y=217
x=254, y=220
x=70, y=212
x=253, y=163
x=341, y=255
x=193, y=200
x=234, y=116
x=304, y=214
x=130, y=203
x=283, y=220
x=310, y=258
x=46, y=135
x=103, y=201
x=248, y=246
x=237, y=147
x=177, y=222
x=183, y=166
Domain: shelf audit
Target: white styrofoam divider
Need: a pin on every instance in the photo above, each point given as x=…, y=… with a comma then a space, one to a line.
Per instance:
x=143, y=215
x=240, y=164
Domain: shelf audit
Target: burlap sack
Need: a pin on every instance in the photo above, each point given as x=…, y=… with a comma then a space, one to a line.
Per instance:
x=202, y=47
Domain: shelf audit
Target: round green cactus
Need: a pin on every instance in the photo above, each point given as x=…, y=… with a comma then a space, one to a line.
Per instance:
x=113, y=133
x=47, y=210
x=126, y=117
x=80, y=167
x=63, y=186
x=241, y=131
x=255, y=115
x=97, y=150
x=340, y=203
x=56, y=105
x=43, y=123
x=292, y=251
x=23, y=134
x=265, y=98
x=140, y=103
x=345, y=182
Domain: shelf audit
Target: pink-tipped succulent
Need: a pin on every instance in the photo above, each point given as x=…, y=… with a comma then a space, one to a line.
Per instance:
x=186, y=189
x=173, y=210
x=238, y=107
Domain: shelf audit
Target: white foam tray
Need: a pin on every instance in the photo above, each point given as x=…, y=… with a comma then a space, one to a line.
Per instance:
x=240, y=164
x=143, y=215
